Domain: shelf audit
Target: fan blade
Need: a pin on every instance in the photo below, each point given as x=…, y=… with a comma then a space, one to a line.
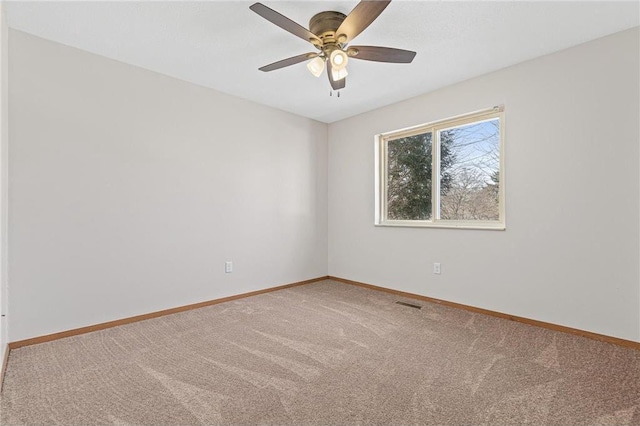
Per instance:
x=289, y=61
x=360, y=18
x=381, y=54
x=284, y=23
x=336, y=84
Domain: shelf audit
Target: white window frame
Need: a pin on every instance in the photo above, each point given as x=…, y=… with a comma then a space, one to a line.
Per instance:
x=381, y=142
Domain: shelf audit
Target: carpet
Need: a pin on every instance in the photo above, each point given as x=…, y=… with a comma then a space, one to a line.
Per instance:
x=325, y=353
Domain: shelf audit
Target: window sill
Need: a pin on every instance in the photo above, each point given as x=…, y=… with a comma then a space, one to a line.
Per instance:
x=485, y=226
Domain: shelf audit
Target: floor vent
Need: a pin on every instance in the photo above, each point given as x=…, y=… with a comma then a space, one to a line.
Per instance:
x=411, y=305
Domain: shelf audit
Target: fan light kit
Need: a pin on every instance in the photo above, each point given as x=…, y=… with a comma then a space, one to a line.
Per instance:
x=330, y=32
x=316, y=66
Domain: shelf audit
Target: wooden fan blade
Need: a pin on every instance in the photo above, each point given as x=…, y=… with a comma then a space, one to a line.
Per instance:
x=336, y=84
x=381, y=54
x=284, y=22
x=360, y=18
x=289, y=61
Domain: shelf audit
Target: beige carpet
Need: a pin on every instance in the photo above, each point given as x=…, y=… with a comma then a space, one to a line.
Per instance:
x=324, y=353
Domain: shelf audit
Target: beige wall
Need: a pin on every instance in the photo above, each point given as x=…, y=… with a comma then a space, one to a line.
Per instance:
x=129, y=191
x=4, y=126
x=570, y=254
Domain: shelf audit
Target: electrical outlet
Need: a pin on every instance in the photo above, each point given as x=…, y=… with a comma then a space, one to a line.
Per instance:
x=228, y=267
x=436, y=268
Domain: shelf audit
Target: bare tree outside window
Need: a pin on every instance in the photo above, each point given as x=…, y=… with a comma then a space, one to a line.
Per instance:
x=473, y=193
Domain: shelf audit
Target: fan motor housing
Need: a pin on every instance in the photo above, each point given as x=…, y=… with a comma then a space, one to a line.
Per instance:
x=325, y=24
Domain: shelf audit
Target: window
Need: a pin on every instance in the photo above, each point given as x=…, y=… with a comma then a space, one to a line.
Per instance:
x=443, y=174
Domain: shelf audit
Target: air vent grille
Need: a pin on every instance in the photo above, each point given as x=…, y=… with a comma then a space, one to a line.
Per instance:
x=411, y=305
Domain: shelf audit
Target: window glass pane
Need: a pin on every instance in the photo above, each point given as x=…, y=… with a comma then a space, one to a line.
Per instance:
x=409, y=178
x=470, y=171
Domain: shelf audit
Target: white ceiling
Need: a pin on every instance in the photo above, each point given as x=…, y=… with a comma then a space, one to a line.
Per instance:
x=221, y=44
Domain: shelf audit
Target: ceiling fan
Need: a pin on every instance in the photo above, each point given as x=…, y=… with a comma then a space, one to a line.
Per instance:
x=330, y=32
